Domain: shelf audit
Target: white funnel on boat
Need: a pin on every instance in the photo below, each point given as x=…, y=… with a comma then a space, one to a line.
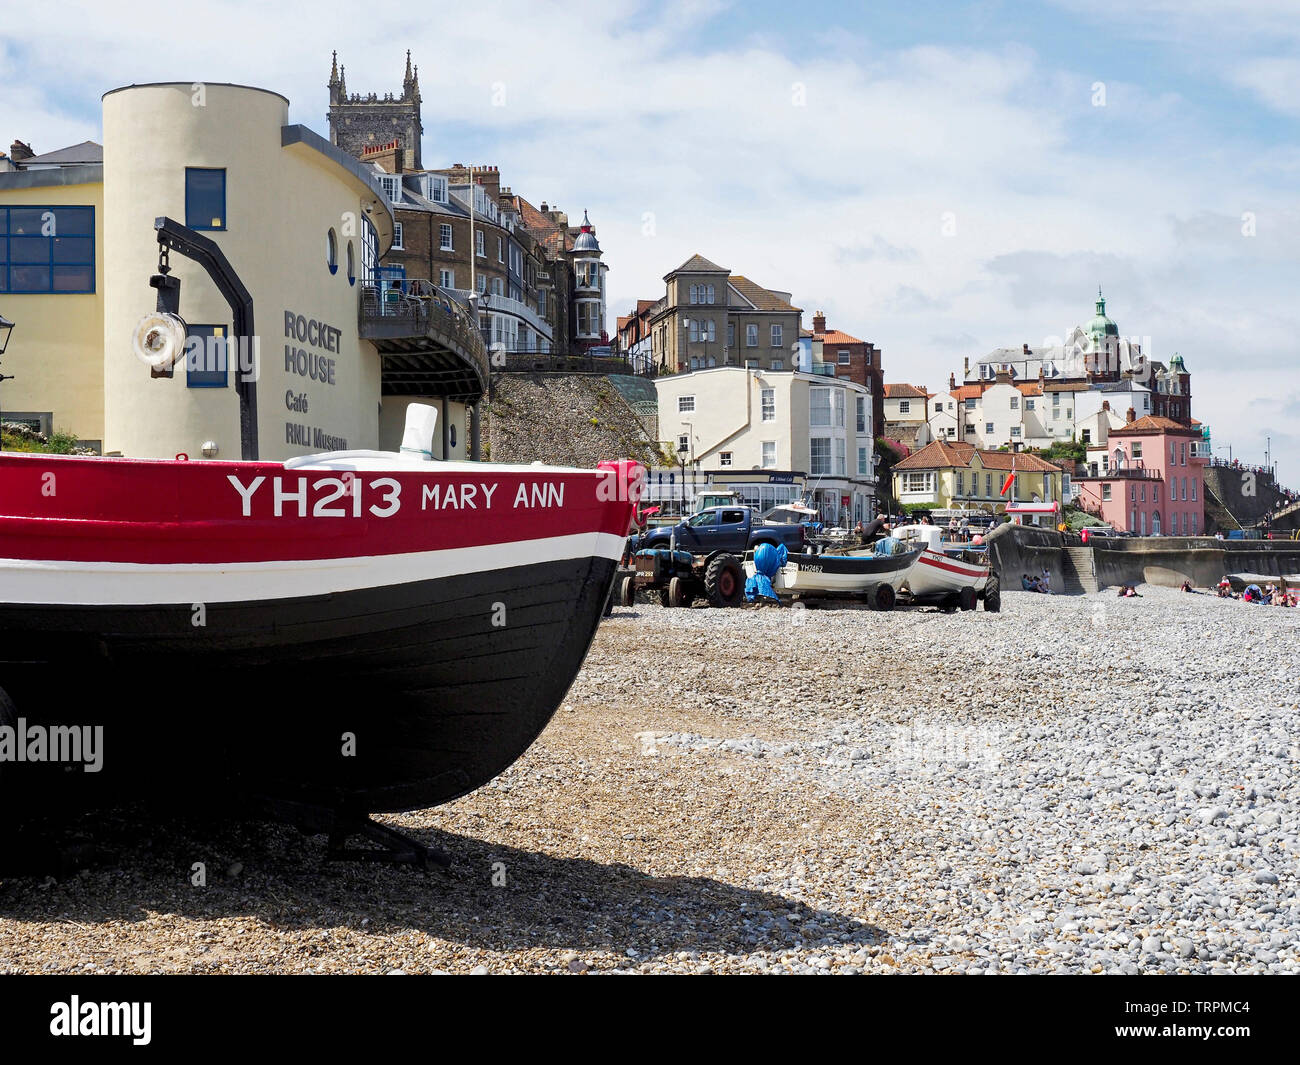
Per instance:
x=421, y=420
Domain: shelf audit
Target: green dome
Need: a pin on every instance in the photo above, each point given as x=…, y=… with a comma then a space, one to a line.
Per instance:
x=1176, y=364
x=1101, y=326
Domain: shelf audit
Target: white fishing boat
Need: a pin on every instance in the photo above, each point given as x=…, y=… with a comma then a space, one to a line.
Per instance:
x=950, y=576
x=874, y=577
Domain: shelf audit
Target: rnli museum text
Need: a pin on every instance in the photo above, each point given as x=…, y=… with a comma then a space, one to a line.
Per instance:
x=314, y=365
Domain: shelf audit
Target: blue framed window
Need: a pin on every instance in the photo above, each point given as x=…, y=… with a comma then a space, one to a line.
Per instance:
x=332, y=252
x=47, y=249
x=205, y=198
x=352, y=265
x=206, y=366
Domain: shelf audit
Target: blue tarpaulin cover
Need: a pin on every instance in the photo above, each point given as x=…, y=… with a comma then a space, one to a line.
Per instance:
x=768, y=561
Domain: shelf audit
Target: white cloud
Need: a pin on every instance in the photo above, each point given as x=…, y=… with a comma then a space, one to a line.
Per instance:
x=687, y=114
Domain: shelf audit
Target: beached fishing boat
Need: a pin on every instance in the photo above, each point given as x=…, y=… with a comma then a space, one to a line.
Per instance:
x=358, y=630
x=947, y=575
x=873, y=577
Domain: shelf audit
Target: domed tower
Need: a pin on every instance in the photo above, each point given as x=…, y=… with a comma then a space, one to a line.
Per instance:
x=1104, y=337
x=589, y=287
x=1178, y=390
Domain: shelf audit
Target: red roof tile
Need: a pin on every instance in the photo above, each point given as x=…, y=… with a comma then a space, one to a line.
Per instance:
x=1154, y=423
x=941, y=454
x=903, y=391
x=835, y=336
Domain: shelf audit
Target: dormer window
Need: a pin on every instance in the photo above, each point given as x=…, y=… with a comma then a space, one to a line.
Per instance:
x=392, y=186
x=435, y=188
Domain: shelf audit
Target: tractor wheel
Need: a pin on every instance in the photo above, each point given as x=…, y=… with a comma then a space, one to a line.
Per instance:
x=627, y=591
x=677, y=592
x=967, y=599
x=724, y=581
x=883, y=597
x=950, y=603
x=992, y=595
x=663, y=596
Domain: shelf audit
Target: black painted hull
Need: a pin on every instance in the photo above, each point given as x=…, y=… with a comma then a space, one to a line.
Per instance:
x=382, y=699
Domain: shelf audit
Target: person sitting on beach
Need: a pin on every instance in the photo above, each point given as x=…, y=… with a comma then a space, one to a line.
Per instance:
x=1027, y=584
x=1224, y=589
x=1186, y=587
x=1128, y=592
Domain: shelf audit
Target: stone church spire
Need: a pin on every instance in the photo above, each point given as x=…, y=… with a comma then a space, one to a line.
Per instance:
x=367, y=122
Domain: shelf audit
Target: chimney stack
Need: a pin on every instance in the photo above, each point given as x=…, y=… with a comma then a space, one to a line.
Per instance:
x=965, y=366
x=1105, y=404
x=18, y=151
x=1131, y=417
x=1025, y=348
x=819, y=322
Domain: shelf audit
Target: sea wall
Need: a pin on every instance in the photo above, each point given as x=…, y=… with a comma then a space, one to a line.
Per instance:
x=1170, y=560
x=1163, y=560
x=1017, y=549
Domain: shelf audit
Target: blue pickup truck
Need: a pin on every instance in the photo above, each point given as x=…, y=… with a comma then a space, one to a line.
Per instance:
x=733, y=529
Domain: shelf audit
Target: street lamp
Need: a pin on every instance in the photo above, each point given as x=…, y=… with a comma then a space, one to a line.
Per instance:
x=6, y=328
x=682, y=451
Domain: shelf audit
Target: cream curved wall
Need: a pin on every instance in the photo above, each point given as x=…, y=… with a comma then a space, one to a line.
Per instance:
x=280, y=204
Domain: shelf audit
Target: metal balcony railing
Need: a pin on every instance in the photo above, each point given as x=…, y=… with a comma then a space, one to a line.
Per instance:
x=415, y=314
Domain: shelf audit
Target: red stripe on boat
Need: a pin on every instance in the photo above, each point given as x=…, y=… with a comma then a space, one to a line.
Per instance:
x=964, y=569
x=123, y=510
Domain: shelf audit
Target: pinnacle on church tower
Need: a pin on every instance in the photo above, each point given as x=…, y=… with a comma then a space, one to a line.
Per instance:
x=361, y=123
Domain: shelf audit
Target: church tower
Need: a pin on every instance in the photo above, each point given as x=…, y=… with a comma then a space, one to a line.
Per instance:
x=359, y=122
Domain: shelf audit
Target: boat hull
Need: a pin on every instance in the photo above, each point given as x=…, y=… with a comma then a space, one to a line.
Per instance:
x=936, y=577
x=374, y=682
x=847, y=575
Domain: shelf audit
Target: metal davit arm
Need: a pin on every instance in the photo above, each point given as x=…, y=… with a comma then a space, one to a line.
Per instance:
x=176, y=237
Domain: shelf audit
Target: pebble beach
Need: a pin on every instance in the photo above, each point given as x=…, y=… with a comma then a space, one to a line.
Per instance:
x=1080, y=784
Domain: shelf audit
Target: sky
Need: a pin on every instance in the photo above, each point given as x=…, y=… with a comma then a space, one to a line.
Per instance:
x=941, y=179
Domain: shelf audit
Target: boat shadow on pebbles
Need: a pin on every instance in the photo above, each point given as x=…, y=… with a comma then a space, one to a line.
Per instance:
x=273, y=876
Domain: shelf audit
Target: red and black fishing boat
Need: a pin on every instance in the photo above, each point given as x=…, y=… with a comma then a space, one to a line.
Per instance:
x=328, y=636
x=359, y=630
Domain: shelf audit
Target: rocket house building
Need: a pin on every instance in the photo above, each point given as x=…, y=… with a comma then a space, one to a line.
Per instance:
x=327, y=363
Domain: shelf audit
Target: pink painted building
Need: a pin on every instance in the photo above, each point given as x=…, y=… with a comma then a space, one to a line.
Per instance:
x=1152, y=479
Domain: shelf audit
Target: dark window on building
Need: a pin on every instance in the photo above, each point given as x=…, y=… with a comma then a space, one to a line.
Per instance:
x=206, y=365
x=352, y=265
x=205, y=198
x=47, y=249
x=332, y=252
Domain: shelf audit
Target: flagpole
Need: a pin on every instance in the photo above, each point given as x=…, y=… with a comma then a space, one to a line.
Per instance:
x=473, y=248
